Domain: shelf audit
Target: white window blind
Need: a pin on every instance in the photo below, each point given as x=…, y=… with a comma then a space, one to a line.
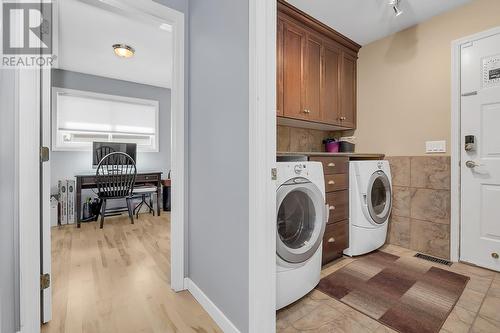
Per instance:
x=83, y=117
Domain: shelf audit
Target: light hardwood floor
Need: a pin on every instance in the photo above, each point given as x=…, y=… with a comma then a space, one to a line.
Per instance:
x=118, y=280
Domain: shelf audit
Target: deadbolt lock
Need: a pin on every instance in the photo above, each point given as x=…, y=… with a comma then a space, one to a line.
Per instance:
x=494, y=255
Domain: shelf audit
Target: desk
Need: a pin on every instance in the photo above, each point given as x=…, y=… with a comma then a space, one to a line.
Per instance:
x=88, y=182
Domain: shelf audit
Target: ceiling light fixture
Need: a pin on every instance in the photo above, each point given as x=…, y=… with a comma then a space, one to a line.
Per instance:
x=124, y=50
x=396, y=7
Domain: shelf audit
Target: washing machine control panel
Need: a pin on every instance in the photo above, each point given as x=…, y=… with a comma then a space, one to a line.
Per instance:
x=300, y=168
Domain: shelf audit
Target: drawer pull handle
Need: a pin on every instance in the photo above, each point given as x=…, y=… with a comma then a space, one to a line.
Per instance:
x=331, y=182
x=331, y=207
x=331, y=240
x=331, y=165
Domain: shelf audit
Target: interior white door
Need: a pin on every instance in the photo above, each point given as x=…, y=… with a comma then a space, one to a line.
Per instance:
x=45, y=233
x=480, y=166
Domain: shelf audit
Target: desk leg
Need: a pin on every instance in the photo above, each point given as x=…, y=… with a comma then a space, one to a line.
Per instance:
x=158, y=194
x=78, y=202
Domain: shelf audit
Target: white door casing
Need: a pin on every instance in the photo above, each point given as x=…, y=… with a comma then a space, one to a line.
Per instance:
x=480, y=168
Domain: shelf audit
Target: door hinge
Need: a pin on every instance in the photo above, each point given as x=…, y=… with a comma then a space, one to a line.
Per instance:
x=274, y=174
x=44, y=281
x=44, y=154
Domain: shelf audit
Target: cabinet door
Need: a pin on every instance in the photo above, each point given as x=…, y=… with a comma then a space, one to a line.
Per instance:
x=294, y=41
x=348, y=91
x=279, y=67
x=313, y=77
x=330, y=106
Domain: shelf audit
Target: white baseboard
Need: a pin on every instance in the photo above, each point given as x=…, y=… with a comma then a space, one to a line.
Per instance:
x=217, y=315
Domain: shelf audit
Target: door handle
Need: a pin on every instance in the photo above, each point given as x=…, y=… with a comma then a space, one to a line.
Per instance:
x=331, y=240
x=472, y=164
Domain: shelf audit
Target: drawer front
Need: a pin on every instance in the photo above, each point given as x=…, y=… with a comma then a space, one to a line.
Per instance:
x=338, y=205
x=335, y=240
x=336, y=182
x=88, y=180
x=332, y=165
x=147, y=178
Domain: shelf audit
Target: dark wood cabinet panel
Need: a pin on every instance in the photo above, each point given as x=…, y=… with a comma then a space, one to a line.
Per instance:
x=313, y=77
x=330, y=85
x=316, y=73
x=335, y=240
x=348, y=91
x=338, y=205
x=279, y=67
x=294, y=41
x=336, y=182
x=332, y=165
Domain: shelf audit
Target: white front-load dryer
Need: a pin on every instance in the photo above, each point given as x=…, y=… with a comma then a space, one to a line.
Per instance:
x=301, y=219
x=370, y=204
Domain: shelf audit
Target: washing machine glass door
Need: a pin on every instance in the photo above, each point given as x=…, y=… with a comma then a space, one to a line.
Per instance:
x=379, y=197
x=300, y=220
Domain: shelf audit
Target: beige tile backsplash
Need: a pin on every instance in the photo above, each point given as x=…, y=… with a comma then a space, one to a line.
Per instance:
x=292, y=139
x=420, y=218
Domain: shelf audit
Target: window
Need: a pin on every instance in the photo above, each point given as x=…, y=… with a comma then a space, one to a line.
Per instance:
x=81, y=117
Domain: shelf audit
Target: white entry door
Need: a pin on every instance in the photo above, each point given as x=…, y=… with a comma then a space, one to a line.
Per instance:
x=480, y=156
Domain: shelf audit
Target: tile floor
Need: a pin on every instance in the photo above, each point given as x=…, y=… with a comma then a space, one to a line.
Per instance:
x=477, y=311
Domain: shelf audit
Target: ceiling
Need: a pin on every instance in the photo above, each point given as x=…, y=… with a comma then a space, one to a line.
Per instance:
x=87, y=33
x=365, y=21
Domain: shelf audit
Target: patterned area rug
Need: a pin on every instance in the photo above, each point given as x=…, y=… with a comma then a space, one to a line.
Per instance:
x=398, y=292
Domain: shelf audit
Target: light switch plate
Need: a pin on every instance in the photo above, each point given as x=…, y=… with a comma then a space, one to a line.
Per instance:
x=435, y=147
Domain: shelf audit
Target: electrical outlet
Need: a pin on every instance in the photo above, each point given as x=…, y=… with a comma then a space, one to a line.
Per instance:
x=435, y=147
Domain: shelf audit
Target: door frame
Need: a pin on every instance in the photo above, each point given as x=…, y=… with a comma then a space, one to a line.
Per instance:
x=263, y=16
x=28, y=92
x=456, y=139
x=178, y=218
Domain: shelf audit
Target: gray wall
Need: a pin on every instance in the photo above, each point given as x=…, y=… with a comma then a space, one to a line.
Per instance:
x=65, y=164
x=218, y=154
x=9, y=289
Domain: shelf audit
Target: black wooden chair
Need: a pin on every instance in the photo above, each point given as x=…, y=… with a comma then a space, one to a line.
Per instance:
x=115, y=178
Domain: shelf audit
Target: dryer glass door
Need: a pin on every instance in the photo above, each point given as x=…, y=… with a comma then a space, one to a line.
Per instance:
x=379, y=201
x=300, y=221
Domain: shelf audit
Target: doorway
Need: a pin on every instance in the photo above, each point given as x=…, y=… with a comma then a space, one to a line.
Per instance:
x=476, y=155
x=169, y=266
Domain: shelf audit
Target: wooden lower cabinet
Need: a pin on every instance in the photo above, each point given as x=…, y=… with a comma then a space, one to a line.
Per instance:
x=335, y=240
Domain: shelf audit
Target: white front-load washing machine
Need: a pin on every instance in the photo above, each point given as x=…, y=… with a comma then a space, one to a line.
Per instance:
x=370, y=203
x=301, y=220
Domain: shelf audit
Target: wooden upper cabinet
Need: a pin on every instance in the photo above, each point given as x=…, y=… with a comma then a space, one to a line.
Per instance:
x=279, y=67
x=294, y=41
x=313, y=57
x=316, y=73
x=330, y=85
x=348, y=91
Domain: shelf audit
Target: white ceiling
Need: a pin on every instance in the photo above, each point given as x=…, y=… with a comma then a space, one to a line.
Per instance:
x=365, y=21
x=86, y=36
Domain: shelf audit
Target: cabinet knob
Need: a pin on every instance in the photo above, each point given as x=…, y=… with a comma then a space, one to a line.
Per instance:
x=343, y=118
x=306, y=111
x=331, y=165
x=331, y=182
x=331, y=240
x=331, y=207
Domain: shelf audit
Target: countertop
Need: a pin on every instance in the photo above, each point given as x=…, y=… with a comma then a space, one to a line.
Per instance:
x=324, y=154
